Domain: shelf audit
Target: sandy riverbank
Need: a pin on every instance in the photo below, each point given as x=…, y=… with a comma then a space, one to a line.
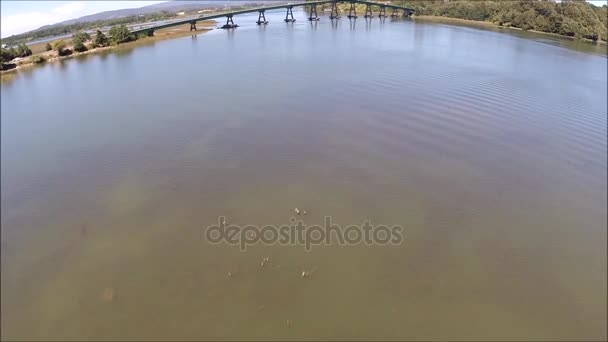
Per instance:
x=51, y=56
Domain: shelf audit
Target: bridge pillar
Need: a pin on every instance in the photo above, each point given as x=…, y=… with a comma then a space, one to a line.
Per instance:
x=313, y=10
x=334, y=11
x=382, y=12
x=352, y=13
x=229, y=22
x=193, y=26
x=289, y=15
x=368, y=11
x=395, y=13
x=261, y=18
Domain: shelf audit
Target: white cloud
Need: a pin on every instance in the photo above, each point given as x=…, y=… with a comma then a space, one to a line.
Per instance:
x=40, y=13
x=69, y=9
x=17, y=23
x=23, y=22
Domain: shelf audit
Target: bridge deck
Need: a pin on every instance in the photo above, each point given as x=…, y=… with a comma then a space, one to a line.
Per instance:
x=252, y=10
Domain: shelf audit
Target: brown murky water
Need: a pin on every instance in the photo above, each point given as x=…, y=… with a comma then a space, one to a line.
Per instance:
x=489, y=149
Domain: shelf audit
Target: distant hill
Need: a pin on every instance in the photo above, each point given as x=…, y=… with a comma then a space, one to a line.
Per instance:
x=160, y=11
x=173, y=6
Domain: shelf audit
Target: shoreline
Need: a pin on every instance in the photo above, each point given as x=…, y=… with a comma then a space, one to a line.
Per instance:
x=488, y=24
x=160, y=35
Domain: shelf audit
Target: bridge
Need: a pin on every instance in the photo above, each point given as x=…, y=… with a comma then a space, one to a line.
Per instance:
x=397, y=11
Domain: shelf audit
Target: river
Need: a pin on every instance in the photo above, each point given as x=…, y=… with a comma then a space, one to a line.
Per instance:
x=488, y=148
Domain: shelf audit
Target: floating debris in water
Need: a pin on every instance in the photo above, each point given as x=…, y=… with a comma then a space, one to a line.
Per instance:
x=306, y=274
x=297, y=211
x=108, y=294
x=229, y=274
x=304, y=212
x=288, y=322
x=260, y=307
x=265, y=261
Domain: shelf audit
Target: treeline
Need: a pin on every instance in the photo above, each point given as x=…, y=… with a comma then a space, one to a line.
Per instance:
x=569, y=18
x=66, y=29
x=7, y=55
x=81, y=42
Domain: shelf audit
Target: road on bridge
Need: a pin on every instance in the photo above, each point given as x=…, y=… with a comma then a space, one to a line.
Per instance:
x=151, y=27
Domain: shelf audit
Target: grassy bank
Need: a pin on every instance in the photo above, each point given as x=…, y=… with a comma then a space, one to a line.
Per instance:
x=487, y=24
x=578, y=19
x=39, y=51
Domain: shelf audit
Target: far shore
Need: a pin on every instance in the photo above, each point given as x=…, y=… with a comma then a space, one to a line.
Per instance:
x=475, y=23
x=51, y=56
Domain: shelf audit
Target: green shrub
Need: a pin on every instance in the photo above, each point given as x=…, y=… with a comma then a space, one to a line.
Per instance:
x=100, y=39
x=37, y=59
x=7, y=66
x=79, y=47
x=64, y=52
x=120, y=34
x=23, y=50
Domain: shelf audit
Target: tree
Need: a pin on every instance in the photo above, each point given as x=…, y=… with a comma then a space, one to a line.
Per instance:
x=100, y=39
x=60, y=47
x=23, y=50
x=6, y=56
x=78, y=39
x=79, y=46
x=55, y=30
x=13, y=52
x=48, y=47
x=542, y=24
x=81, y=36
x=120, y=34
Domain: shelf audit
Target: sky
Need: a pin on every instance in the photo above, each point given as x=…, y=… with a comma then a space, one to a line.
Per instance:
x=22, y=16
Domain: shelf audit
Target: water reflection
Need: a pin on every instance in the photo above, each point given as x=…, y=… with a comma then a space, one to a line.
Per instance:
x=103, y=55
x=419, y=31
x=352, y=23
x=290, y=27
x=63, y=63
x=570, y=43
x=27, y=72
x=123, y=52
x=230, y=34
x=80, y=59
